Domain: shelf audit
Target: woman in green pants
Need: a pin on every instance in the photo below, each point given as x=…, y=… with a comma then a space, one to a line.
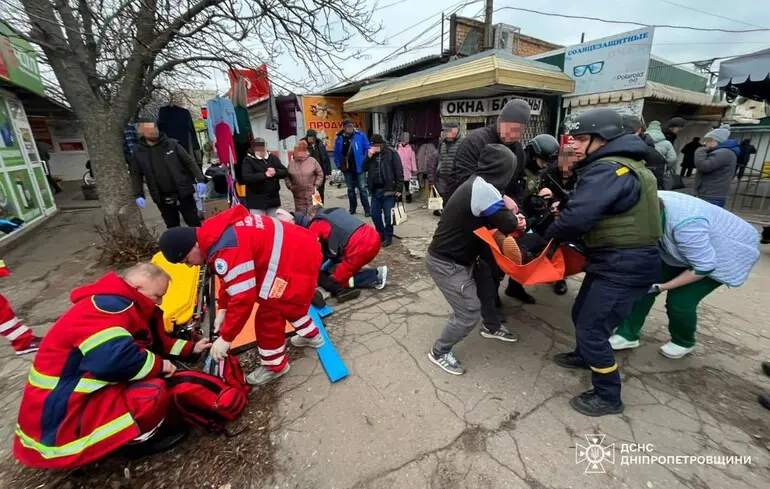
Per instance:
x=703, y=247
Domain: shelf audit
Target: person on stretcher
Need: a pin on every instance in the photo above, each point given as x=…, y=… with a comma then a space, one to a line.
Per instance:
x=261, y=261
x=98, y=380
x=348, y=242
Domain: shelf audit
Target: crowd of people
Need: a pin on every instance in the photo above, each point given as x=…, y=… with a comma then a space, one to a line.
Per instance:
x=107, y=375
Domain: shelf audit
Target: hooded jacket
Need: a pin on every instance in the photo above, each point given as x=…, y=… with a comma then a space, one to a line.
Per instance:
x=258, y=261
x=73, y=410
x=716, y=168
x=602, y=190
x=166, y=168
x=263, y=192
x=662, y=144
x=408, y=160
x=467, y=159
x=478, y=202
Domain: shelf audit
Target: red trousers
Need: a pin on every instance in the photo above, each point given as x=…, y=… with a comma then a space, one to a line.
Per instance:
x=362, y=248
x=148, y=402
x=12, y=328
x=270, y=328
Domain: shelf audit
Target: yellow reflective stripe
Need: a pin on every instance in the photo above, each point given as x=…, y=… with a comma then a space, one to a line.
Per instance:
x=75, y=447
x=146, y=368
x=178, y=347
x=605, y=370
x=102, y=337
x=49, y=382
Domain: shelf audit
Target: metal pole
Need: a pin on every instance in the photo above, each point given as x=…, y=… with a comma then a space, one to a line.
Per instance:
x=442, y=34
x=582, y=37
x=488, y=43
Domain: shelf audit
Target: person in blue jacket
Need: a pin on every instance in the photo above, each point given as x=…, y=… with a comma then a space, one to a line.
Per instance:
x=350, y=151
x=615, y=210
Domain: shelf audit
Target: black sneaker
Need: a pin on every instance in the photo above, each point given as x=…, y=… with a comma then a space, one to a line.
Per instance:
x=387, y=242
x=560, y=287
x=766, y=368
x=765, y=235
x=570, y=360
x=501, y=334
x=590, y=404
x=367, y=214
x=352, y=211
x=447, y=362
x=764, y=400
x=517, y=291
x=437, y=213
x=345, y=295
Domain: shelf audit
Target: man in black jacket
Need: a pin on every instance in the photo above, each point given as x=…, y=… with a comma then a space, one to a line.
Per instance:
x=385, y=181
x=170, y=173
x=654, y=161
x=317, y=150
x=615, y=211
x=454, y=250
x=446, y=159
x=262, y=174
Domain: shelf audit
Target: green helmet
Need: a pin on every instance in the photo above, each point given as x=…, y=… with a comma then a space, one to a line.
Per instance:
x=544, y=146
x=605, y=123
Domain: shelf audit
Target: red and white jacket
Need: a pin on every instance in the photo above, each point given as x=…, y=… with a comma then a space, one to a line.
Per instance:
x=259, y=260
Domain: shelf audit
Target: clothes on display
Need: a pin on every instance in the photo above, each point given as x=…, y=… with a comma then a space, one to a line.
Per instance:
x=288, y=105
x=241, y=140
x=221, y=110
x=224, y=143
x=176, y=123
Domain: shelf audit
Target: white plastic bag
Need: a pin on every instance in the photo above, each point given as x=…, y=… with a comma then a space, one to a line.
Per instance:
x=435, y=202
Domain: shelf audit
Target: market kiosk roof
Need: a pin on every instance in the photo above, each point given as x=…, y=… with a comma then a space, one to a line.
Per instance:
x=481, y=75
x=749, y=74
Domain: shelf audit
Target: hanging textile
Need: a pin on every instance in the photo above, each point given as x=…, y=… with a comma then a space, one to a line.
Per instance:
x=176, y=123
x=288, y=105
x=271, y=122
x=221, y=110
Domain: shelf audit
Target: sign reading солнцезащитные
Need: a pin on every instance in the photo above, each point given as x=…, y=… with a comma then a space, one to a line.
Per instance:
x=474, y=107
x=611, y=63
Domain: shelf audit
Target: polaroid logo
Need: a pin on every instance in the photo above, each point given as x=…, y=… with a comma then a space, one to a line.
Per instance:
x=631, y=76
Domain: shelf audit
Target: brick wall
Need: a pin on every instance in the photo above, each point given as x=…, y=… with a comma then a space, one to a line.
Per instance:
x=524, y=46
x=530, y=46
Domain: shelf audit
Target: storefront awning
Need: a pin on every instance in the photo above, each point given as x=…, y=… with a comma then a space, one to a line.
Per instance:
x=749, y=75
x=651, y=90
x=495, y=70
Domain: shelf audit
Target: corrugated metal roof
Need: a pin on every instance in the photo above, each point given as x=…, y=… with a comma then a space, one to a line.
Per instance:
x=482, y=70
x=651, y=90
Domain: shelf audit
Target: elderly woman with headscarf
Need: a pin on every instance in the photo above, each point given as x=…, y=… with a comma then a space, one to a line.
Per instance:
x=305, y=176
x=703, y=247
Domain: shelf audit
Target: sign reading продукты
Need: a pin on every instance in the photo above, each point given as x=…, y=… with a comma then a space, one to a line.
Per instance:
x=612, y=63
x=475, y=107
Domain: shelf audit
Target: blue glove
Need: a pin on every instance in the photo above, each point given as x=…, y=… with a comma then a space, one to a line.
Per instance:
x=141, y=203
x=201, y=188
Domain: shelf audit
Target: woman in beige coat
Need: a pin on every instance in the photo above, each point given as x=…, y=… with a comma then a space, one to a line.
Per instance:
x=305, y=176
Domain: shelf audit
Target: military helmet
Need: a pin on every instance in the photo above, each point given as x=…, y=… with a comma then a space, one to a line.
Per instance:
x=544, y=146
x=605, y=123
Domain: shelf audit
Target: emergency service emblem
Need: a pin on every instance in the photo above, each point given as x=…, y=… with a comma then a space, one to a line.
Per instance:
x=220, y=266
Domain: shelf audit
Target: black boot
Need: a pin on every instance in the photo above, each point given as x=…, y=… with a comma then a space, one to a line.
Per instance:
x=345, y=295
x=437, y=213
x=590, y=404
x=516, y=290
x=570, y=360
x=408, y=198
x=167, y=438
x=765, y=235
x=764, y=400
x=387, y=242
x=560, y=287
x=766, y=368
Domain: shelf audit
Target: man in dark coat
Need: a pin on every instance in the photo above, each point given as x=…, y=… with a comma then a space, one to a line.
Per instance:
x=170, y=173
x=672, y=128
x=747, y=149
x=262, y=173
x=654, y=161
x=688, y=162
x=615, y=211
x=385, y=181
x=317, y=149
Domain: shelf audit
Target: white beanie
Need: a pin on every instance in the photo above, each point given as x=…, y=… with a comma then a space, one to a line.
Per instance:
x=719, y=135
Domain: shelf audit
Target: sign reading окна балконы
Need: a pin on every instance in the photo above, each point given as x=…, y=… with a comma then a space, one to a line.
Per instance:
x=612, y=63
x=477, y=107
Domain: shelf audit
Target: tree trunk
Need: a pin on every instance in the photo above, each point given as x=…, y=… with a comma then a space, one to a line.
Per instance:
x=104, y=136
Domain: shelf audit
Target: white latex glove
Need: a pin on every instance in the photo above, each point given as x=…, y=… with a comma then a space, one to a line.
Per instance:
x=219, y=320
x=219, y=349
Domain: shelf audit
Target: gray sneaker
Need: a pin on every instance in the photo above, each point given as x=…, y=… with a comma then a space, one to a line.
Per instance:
x=382, y=277
x=502, y=334
x=262, y=375
x=301, y=342
x=447, y=362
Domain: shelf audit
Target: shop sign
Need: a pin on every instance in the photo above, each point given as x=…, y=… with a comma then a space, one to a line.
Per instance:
x=10, y=149
x=479, y=107
x=612, y=63
x=18, y=61
x=325, y=116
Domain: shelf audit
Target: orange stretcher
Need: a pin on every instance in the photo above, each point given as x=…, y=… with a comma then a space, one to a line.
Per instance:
x=550, y=266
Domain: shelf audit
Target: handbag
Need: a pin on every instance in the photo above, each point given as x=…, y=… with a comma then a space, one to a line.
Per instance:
x=435, y=202
x=414, y=186
x=398, y=214
x=672, y=181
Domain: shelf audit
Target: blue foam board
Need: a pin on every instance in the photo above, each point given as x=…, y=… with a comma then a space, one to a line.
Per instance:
x=331, y=360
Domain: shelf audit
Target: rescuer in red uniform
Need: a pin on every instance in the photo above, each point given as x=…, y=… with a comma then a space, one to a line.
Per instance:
x=22, y=339
x=347, y=241
x=95, y=385
x=263, y=261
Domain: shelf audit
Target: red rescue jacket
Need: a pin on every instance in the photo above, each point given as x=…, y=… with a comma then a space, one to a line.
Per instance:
x=259, y=259
x=73, y=411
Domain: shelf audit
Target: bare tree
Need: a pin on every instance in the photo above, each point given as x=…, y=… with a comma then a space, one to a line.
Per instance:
x=110, y=55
